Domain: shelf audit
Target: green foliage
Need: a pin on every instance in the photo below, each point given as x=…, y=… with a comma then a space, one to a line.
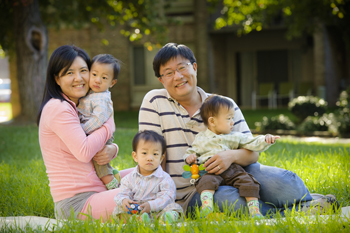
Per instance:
x=304, y=106
x=139, y=17
x=298, y=16
x=344, y=102
x=274, y=123
x=327, y=122
x=344, y=125
x=6, y=25
x=344, y=111
x=252, y=116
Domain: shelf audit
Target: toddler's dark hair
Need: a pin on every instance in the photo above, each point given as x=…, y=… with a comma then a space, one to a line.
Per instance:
x=148, y=136
x=108, y=59
x=212, y=105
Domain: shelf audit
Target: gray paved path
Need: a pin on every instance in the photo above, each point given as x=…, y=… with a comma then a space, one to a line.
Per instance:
x=319, y=139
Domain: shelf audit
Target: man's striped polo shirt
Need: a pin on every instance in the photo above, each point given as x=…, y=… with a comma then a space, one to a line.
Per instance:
x=163, y=114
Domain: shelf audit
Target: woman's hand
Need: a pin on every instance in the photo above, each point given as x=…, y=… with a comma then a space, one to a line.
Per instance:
x=105, y=155
x=219, y=162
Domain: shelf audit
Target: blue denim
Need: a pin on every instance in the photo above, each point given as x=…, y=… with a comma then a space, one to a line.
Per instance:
x=279, y=188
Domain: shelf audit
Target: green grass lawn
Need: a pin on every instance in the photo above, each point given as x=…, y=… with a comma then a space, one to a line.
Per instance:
x=325, y=168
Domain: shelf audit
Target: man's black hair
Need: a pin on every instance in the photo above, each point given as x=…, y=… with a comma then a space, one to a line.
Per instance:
x=170, y=51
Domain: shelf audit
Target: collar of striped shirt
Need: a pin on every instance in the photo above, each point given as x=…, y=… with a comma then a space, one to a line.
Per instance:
x=202, y=93
x=157, y=173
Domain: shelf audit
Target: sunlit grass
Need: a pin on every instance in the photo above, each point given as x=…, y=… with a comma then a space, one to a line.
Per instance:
x=325, y=168
x=5, y=112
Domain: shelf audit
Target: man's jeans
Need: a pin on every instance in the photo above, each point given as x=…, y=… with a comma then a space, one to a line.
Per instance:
x=279, y=188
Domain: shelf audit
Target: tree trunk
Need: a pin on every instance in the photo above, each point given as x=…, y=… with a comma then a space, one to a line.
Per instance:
x=31, y=53
x=334, y=64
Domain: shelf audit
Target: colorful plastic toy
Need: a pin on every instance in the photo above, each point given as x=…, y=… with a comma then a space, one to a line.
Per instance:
x=194, y=172
x=135, y=209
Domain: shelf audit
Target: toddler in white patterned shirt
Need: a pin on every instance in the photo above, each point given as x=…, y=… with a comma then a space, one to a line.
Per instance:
x=97, y=107
x=148, y=184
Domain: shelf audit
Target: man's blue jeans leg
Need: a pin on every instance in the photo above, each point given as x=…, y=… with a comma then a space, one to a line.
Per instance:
x=279, y=188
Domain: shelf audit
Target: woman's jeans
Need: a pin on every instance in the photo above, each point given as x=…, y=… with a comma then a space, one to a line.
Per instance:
x=279, y=188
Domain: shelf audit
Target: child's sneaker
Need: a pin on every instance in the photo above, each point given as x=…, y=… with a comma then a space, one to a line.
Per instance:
x=145, y=218
x=258, y=216
x=205, y=212
x=170, y=217
x=254, y=210
x=116, y=174
x=321, y=205
x=113, y=184
x=207, y=204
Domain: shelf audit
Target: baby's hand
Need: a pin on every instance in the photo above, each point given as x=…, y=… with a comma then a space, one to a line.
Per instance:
x=270, y=139
x=192, y=158
x=146, y=208
x=126, y=203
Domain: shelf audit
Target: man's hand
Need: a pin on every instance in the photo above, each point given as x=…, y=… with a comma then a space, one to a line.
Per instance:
x=126, y=203
x=105, y=155
x=146, y=208
x=192, y=158
x=219, y=162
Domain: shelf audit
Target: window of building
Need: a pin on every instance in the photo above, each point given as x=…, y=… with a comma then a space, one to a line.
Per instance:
x=139, y=66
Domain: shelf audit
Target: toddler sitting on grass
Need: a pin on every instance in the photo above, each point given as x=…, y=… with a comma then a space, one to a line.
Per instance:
x=148, y=185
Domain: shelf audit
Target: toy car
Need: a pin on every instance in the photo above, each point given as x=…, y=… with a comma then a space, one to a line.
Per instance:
x=135, y=209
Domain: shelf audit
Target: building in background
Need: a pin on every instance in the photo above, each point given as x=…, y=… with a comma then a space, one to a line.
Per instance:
x=227, y=64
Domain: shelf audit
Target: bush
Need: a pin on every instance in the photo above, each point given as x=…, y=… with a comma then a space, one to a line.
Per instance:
x=344, y=112
x=304, y=106
x=344, y=125
x=327, y=122
x=344, y=103
x=274, y=123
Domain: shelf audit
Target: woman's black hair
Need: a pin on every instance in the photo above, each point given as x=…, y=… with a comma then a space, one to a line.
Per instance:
x=148, y=136
x=60, y=61
x=170, y=51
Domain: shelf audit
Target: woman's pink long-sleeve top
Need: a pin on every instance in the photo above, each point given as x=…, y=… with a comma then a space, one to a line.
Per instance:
x=67, y=151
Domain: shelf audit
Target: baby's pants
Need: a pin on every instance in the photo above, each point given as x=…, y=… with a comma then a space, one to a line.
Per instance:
x=106, y=169
x=103, y=170
x=234, y=176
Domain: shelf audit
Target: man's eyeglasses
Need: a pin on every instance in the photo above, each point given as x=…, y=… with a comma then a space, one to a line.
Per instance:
x=169, y=74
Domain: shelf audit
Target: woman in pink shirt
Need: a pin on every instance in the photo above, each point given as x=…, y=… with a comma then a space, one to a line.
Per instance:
x=66, y=150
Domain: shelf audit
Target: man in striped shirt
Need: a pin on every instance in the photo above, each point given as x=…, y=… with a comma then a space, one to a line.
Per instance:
x=174, y=113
